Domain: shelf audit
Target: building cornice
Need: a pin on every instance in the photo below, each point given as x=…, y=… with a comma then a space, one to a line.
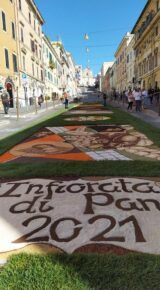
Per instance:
x=126, y=37
x=36, y=10
x=141, y=15
x=154, y=20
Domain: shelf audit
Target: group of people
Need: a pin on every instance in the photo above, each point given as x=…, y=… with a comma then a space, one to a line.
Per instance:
x=138, y=97
x=141, y=98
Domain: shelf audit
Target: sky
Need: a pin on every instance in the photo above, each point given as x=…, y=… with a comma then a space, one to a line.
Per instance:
x=105, y=22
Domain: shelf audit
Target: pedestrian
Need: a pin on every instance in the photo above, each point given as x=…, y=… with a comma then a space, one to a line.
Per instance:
x=137, y=97
x=104, y=100
x=5, y=101
x=130, y=100
x=66, y=103
x=151, y=94
x=144, y=98
x=40, y=100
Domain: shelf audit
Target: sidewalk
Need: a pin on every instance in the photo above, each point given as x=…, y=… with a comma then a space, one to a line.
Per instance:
x=147, y=115
x=10, y=125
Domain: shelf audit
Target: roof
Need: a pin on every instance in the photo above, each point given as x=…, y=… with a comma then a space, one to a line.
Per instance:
x=37, y=11
x=127, y=36
x=143, y=11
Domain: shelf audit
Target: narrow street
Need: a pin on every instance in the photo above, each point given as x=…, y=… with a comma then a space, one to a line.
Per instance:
x=79, y=145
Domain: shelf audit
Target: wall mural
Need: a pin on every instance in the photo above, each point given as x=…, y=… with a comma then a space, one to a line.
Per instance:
x=87, y=118
x=72, y=214
x=94, y=142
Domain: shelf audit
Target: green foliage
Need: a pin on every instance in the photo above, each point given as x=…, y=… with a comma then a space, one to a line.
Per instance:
x=81, y=272
x=52, y=64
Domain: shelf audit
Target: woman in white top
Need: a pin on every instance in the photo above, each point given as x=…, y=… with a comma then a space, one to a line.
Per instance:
x=138, y=100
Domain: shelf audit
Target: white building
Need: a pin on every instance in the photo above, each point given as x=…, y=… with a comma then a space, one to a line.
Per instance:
x=88, y=78
x=68, y=82
x=72, y=83
x=79, y=75
x=52, y=70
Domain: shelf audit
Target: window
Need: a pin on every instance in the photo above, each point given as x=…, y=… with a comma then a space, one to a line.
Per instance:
x=13, y=31
x=4, y=21
x=39, y=31
x=30, y=18
x=33, y=68
x=6, y=57
x=22, y=34
x=40, y=54
x=34, y=24
x=37, y=72
x=20, y=4
x=24, y=62
x=156, y=58
x=15, y=68
x=42, y=75
x=32, y=46
x=36, y=49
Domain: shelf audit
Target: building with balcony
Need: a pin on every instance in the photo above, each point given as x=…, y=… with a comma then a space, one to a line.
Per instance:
x=68, y=77
x=72, y=81
x=30, y=57
x=121, y=63
x=147, y=46
x=130, y=63
x=8, y=50
x=52, y=70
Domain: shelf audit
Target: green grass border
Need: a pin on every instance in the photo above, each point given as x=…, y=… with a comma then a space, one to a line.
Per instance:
x=78, y=168
x=10, y=141
x=81, y=272
x=81, y=168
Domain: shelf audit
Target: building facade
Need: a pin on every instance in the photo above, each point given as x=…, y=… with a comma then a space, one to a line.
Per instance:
x=52, y=70
x=130, y=64
x=29, y=35
x=72, y=82
x=104, y=69
x=121, y=61
x=113, y=77
x=88, y=78
x=8, y=50
x=147, y=46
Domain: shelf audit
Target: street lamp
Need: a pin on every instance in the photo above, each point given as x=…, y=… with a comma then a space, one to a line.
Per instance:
x=86, y=37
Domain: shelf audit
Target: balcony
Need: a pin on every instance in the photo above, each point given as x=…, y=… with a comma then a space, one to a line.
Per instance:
x=145, y=24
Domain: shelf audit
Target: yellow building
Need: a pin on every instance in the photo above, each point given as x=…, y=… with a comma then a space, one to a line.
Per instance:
x=121, y=63
x=147, y=46
x=8, y=49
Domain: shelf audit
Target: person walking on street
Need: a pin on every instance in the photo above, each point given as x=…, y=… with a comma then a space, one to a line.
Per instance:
x=104, y=100
x=66, y=103
x=137, y=97
x=144, y=98
x=5, y=101
x=130, y=100
x=40, y=100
